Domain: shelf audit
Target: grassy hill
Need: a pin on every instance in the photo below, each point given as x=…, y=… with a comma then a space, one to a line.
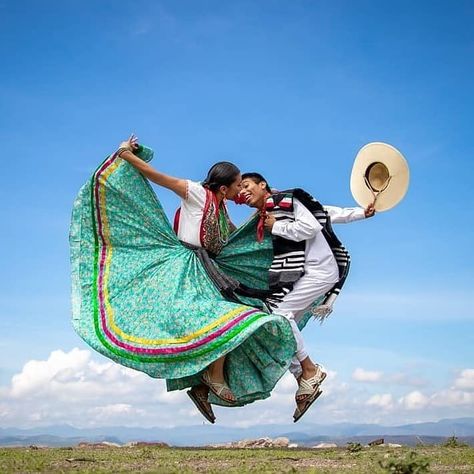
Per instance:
x=354, y=460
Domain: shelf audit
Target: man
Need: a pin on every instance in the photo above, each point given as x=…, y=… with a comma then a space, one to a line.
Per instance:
x=307, y=264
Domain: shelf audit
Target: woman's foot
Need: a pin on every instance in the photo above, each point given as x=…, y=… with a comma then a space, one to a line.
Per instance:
x=309, y=382
x=218, y=387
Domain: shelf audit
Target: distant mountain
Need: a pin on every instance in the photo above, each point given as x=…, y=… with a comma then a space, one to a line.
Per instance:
x=407, y=440
x=52, y=441
x=200, y=435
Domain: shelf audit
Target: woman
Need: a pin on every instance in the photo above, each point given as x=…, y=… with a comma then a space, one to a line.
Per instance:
x=143, y=298
x=203, y=221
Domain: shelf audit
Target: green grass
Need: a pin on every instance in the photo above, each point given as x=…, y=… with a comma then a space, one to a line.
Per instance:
x=459, y=459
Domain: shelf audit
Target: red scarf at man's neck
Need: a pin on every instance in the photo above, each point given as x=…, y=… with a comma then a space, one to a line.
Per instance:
x=262, y=218
x=240, y=199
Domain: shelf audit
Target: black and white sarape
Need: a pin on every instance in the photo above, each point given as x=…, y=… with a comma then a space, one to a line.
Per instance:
x=289, y=256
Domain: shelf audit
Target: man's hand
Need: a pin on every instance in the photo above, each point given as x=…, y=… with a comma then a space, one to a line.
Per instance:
x=369, y=211
x=269, y=221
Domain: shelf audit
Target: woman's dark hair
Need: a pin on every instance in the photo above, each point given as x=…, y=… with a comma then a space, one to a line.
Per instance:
x=221, y=174
x=256, y=178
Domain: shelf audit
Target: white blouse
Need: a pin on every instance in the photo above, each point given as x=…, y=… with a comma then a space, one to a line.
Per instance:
x=192, y=210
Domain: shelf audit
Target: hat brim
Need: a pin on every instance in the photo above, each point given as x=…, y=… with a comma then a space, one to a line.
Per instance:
x=378, y=152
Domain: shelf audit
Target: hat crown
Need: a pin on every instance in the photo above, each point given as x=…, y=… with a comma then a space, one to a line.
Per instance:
x=377, y=176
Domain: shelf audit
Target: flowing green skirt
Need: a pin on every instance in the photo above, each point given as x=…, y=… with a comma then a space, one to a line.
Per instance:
x=145, y=301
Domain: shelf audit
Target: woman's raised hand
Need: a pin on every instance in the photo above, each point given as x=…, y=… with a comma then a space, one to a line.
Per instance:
x=129, y=145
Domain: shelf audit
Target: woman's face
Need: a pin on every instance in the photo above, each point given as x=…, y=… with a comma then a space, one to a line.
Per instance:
x=234, y=188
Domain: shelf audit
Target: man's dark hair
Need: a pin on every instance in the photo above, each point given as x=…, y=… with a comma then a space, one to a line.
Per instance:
x=223, y=173
x=257, y=178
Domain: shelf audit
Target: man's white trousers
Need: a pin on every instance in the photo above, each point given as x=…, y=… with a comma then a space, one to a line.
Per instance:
x=294, y=305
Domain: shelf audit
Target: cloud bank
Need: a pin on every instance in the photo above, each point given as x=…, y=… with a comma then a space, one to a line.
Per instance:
x=76, y=388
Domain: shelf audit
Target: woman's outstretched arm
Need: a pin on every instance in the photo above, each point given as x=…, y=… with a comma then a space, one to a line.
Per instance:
x=177, y=185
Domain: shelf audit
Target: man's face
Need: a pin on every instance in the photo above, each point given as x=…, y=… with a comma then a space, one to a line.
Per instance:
x=254, y=193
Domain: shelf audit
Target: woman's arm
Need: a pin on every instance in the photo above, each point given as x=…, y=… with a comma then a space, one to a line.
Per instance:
x=177, y=185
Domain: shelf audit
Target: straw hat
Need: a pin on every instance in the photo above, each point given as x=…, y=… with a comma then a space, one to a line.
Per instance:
x=380, y=173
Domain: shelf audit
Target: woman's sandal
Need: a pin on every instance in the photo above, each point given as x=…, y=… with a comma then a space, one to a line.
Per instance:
x=204, y=407
x=217, y=388
x=310, y=391
x=302, y=407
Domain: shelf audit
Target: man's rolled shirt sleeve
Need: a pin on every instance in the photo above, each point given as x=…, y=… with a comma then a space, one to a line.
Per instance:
x=343, y=215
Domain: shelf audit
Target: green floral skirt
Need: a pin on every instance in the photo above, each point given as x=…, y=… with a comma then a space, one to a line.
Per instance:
x=145, y=301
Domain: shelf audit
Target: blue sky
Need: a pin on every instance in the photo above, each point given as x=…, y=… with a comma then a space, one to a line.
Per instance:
x=291, y=89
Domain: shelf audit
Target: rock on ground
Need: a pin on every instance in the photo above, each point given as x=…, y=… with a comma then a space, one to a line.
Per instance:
x=325, y=445
x=257, y=443
x=145, y=444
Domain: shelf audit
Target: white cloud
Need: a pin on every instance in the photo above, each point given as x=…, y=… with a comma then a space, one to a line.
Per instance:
x=71, y=387
x=83, y=389
x=119, y=412
x=361, y=375
x=414, y=401
x=37, y=376
x=384, y=401
x=446, y=398
x=465, y=380
x=451, y=398
x=398, y=378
